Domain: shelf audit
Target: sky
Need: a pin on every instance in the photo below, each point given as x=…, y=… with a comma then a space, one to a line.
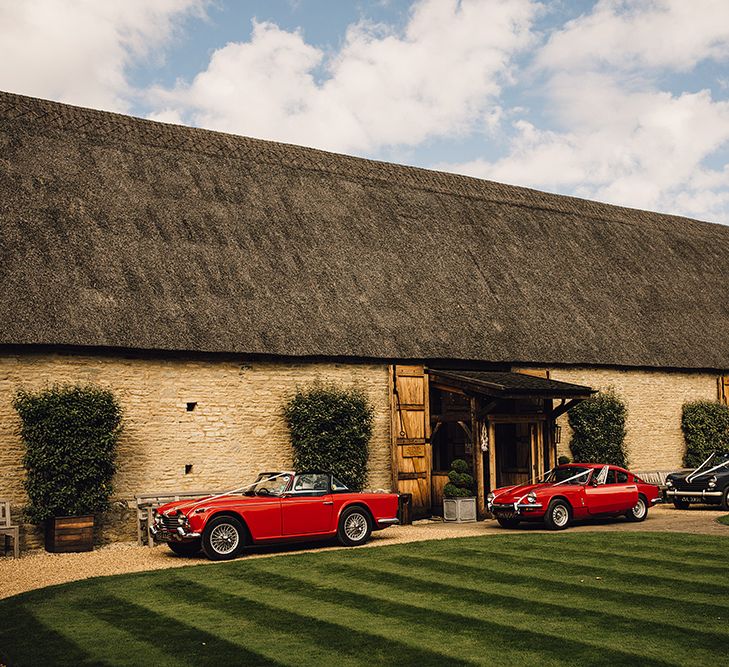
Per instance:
x=623, y=101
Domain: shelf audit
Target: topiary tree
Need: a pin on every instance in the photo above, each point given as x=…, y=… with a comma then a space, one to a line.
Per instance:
x=330, y=432
x=460, y=482
x=70, y=435
x=598, y=430
x=705, y=426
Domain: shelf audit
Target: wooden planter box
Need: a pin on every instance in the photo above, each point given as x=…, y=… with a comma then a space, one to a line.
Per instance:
x=70, y=533
x=462, y=510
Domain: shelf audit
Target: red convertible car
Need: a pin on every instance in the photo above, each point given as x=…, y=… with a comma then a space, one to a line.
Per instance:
x=572, y=492
x=277, y=507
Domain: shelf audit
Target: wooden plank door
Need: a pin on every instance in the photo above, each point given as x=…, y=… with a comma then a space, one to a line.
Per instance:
x=411, y=453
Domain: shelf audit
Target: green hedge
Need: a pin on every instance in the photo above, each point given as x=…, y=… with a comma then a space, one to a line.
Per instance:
x=598, y=430
x=330, y=432
x=705, y=426
x=70, y=434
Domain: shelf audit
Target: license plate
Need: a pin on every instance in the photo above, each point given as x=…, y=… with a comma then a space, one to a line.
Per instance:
x=505, y=514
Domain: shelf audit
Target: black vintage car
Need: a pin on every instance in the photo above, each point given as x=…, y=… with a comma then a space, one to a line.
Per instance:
x=708, y=484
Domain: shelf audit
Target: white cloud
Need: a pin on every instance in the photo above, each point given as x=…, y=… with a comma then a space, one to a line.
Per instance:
x=440, y=77
x=615, y=135
x=642, y=149
x=641, y=33
x=78, y=51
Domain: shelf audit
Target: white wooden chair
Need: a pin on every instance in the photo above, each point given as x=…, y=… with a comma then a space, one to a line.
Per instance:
x=6, y=530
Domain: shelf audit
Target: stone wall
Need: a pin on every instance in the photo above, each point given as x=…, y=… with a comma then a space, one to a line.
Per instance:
x=235, y=430
x=653, y=399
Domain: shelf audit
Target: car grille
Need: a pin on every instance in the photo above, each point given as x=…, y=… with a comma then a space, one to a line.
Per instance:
x=503, y=507
x=681, y=485
x=170, y=523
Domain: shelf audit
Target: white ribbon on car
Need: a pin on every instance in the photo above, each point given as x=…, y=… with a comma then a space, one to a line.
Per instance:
x=569, y=479
x=695, y=473
x=238, y=490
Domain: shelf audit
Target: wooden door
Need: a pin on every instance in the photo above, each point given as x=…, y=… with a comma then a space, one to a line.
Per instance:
x=723, y=389
x=411, y=454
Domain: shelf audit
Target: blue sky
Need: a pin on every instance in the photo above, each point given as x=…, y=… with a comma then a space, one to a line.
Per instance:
x=625, y=101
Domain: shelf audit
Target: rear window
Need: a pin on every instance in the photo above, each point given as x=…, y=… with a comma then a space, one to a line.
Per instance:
x=338, y=486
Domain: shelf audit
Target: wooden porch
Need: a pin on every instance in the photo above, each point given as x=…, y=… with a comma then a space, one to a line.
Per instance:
x=502, y=423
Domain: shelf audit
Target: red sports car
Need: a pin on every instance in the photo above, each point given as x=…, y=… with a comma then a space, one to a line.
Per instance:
x=572, y=492
x=277, y=507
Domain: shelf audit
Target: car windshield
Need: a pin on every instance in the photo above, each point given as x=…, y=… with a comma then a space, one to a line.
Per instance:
x=270, y=484
x=575, y=475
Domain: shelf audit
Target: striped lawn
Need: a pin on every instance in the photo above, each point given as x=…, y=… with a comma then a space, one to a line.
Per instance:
x=518, y=599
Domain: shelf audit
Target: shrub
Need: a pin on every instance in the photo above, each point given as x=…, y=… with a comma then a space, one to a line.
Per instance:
x=564, y=460
x=598, y=430
x=330, y=432
x=460, y=483
x=70, y=434
x=705, y=426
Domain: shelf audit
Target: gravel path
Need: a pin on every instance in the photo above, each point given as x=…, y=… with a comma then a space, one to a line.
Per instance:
x=39, y=569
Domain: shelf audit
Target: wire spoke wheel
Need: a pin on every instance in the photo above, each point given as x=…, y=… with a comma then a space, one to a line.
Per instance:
x=355, y=526
x=224, y=538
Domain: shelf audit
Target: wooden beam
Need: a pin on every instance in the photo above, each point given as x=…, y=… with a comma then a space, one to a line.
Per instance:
x=492, y=455
x=487, y=408
x=477, y=459
x=445, y=387
x=393, y=431
x=564, y=407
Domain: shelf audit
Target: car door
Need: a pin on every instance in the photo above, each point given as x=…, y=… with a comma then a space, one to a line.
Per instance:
x=625, y=491
x=308, y=508
x=599, y=496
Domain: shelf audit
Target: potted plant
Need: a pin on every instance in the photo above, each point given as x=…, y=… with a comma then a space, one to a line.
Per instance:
x=459, y=502
x=70, y=434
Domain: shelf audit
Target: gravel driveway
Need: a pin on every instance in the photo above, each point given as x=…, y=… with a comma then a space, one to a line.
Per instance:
x=38, y=569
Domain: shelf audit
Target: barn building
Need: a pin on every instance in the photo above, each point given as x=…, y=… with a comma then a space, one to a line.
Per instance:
x=203, y=277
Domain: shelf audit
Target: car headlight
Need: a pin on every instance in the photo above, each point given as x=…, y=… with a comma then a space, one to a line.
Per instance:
x=182, y=519
x=490, y=497
x=712, y=482
x=669, y=483
x=531, y=497
x=158, y=519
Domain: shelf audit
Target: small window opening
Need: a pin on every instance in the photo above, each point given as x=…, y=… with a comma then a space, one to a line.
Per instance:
x=188, y=468
x=191, y=406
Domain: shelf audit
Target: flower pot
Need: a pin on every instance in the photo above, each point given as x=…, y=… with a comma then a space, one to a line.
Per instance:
x=462, y=510
x=70, y=533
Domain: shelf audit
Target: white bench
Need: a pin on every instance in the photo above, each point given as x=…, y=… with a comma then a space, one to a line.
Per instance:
x=657, y=477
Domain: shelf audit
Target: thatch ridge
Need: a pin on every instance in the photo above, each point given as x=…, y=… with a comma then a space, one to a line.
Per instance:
x=244, y=245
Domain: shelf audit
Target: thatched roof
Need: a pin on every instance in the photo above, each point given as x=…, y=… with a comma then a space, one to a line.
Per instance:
x=120, y=232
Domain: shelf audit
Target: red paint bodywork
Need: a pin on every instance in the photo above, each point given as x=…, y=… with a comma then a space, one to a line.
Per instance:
x=585, y=499
x=284, y=518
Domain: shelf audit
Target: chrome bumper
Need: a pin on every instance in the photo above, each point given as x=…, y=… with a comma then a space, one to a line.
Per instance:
x=166, y=535
x=514, y=508
x=673, y=493
x=388, y=522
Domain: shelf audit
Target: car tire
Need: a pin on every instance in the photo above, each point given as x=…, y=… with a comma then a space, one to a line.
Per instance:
x=355, y=527
x=559, y=515
x=680, y=504
x=639, y=511
x=186, y=548
x=508, y=523
x=725, y=499
x=223, y=538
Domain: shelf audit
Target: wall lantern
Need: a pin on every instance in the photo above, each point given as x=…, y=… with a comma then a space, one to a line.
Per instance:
x=556, y=434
